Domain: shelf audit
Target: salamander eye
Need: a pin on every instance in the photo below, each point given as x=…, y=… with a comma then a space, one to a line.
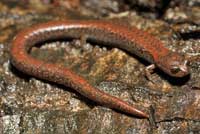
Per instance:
x=175, y=70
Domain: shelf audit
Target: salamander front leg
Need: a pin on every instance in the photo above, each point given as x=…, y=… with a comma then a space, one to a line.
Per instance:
x=148, y=72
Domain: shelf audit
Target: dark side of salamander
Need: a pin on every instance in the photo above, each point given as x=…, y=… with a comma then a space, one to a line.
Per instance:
x=133, y=40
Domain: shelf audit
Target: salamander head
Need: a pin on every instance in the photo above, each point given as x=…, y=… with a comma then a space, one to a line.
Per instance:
x=174, y=64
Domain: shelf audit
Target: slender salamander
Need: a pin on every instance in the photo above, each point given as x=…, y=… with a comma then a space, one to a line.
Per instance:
x=132, y=40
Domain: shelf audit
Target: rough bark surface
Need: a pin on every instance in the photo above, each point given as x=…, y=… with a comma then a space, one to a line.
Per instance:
x=30, y=105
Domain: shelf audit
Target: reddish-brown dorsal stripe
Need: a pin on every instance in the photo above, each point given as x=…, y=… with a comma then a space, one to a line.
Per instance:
x=131, y=39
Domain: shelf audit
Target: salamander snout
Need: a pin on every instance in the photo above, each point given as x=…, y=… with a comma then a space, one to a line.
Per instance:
x=174, y=64
x=179, y=69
